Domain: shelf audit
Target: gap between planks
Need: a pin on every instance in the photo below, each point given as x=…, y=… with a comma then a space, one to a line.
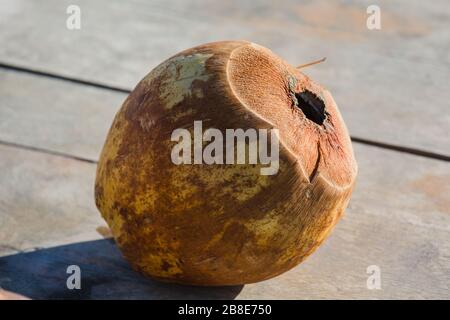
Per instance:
x=408, y=150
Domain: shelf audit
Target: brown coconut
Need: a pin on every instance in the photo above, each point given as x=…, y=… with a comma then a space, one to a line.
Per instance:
x=224, y=224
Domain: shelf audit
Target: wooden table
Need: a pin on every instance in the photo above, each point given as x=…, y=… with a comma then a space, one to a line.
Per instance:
x=60, y=88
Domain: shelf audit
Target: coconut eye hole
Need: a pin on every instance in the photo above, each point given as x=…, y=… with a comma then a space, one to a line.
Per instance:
x=311, y=105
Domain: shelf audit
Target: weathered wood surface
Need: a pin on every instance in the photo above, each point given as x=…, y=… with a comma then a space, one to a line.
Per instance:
x=55, y=115
x=44, y=201
x=398, y=219
x=391, y=84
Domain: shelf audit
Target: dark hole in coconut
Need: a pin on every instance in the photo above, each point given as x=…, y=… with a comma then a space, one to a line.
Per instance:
x=312, y=107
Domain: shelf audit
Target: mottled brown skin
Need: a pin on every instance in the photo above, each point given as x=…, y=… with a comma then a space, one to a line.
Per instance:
x=222, y=224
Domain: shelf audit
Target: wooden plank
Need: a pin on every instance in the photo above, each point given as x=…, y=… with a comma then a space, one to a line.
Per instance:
x=45, y=201
x=105, y=275
x=391, y=84
x=55, y=115
x=398, y=220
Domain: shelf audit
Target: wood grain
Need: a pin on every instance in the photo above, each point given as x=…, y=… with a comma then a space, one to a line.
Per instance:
x=390, y=84
x=398, y=219
x=45, y=201
x=55, y=115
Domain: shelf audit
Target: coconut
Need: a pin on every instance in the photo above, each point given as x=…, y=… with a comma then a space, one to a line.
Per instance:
x=182, y=209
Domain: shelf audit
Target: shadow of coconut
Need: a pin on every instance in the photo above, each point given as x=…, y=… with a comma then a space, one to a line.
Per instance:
x=105, y=274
